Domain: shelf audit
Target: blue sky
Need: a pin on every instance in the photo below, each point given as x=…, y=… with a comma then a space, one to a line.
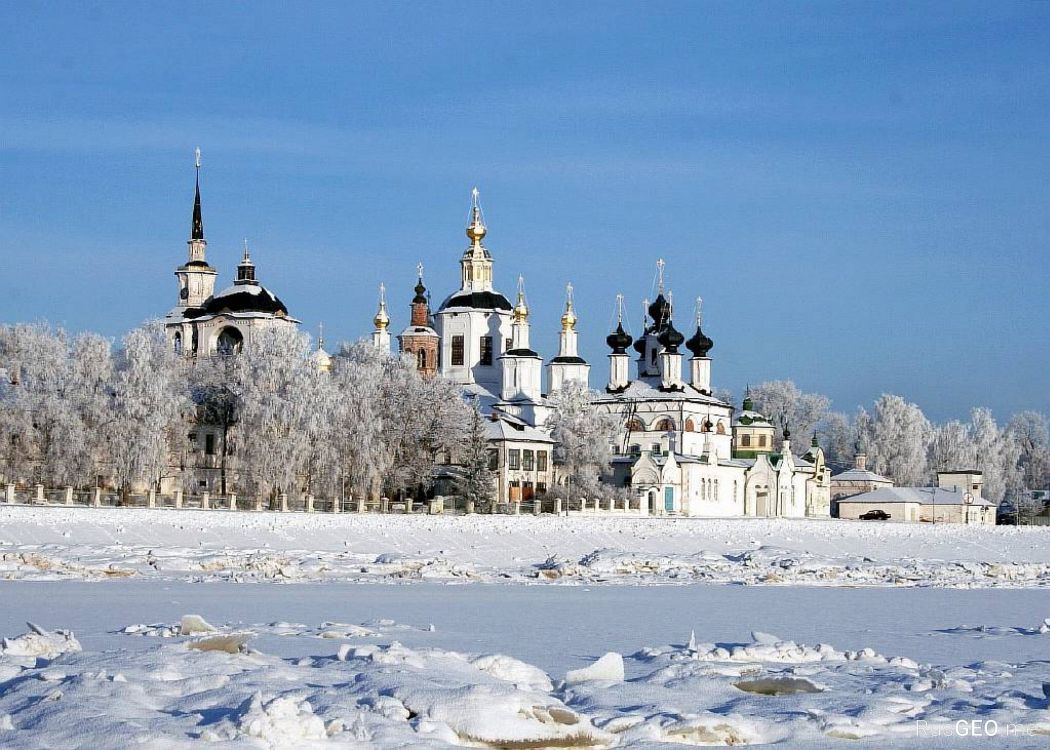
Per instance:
x=859, y=191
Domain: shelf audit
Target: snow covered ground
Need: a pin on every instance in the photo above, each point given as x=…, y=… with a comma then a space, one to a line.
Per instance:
x=97, y=543
x=485, y=666
x=163, y=629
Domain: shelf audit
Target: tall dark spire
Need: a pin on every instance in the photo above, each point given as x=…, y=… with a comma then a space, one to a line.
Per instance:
x=197, y=231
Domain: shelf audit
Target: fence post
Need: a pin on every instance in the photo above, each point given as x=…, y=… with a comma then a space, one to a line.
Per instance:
x=69, y=495
x=284, y=502
x=536, y=503
x=309, y=503
x=610, y=504
x=206, y=501
x=40, y=495
x=384, y=505
x=470, y=507
x=233, y=501
x=258, y=503
x=517, y=507
x=151, y=499
x=9, y=494
x=361, y=503
x=557, y=506
x=178, y=499
x=96, y=499
x=337, y=502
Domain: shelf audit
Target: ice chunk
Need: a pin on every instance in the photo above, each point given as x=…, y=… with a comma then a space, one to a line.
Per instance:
x=608, y=668
x=40, y=643
x=777, y=686
x=514, y=671
x=193, y=624
x=232, y=644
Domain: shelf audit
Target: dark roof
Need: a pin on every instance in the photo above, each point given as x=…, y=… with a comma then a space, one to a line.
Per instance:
x=241, y=299
x=570, y=360
x=520, y=353
x=478, y=301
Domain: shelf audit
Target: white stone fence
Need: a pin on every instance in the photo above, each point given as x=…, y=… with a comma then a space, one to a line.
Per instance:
x=284, y=503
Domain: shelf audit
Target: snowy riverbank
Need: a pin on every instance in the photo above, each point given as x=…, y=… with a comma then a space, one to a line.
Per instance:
x=97, y=543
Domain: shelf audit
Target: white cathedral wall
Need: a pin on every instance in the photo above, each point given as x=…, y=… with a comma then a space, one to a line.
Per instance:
x=472, y=325
x=713, y=490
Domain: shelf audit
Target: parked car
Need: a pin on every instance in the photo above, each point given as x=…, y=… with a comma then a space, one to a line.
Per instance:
x=875, y=515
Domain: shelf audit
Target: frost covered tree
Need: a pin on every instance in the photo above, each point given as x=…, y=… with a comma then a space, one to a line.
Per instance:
x=150, y=406
x=583, y=438
x=1028, y=431
x=476, y=483
x=278, y=415
x=899, y=436
x=838, y=438
x=951, y=447
x=996, y=456
x=787, y=406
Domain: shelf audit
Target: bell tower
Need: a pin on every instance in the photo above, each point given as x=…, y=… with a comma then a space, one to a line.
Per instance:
x=196, y=278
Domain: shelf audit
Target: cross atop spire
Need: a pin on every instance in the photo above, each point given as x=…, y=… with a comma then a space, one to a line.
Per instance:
x=699, y=311
x=476, y=229
x=197, y=228
x=320, y=336
x=521, y=309
x=568, y=318
x=382, y=318
x=619, y=307
x=660, y=276
x=247, y=254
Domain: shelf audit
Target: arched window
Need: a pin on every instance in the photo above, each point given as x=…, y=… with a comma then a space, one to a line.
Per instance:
x=421, y=359
x=635, y=425
x=665, y=425
x=721, y=428
x=177, y=343
x=706, y=426
x=690, y=425
x=745, y=441
x=230, y=341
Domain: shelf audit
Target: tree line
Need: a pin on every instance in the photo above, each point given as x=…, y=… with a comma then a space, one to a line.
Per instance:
x=902, y=444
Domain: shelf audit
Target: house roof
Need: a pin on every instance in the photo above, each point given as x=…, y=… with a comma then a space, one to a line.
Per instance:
x=860, y=475
x=920, y=495
x=648, y=389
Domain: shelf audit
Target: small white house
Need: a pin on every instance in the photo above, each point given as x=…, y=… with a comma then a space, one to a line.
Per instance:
x=955, y=499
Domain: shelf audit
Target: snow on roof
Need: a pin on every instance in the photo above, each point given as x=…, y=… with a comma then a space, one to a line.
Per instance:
x=648, y=389
x=505, y=429
x=920, y=495
x=859, y=475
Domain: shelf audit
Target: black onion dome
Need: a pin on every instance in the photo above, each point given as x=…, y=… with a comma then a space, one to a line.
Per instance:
x=671, y=339
x=240, y=299
x=619, y=340
x=478, y=301
x=700, y=344
x=420, y=290
x=639, y=345
x=660, y=310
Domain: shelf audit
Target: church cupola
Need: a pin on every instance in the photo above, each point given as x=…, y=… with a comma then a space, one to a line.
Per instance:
x=568, y=366
x=618, y=341
x=700, y=364
x=246, y=269
x=196, y=278
x=476, y=263
x=381, y=334
x=670, y=358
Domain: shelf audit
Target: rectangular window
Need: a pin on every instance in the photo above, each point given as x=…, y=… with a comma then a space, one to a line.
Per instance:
x=761, y=441
x=486, y=350
x=541, y=488
x=209, y=444
x=514, y=459
x=541, y=460
x=457, y=350
x=745, y=441
x=527, y=460
x=506, y=344
x=493, y=459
